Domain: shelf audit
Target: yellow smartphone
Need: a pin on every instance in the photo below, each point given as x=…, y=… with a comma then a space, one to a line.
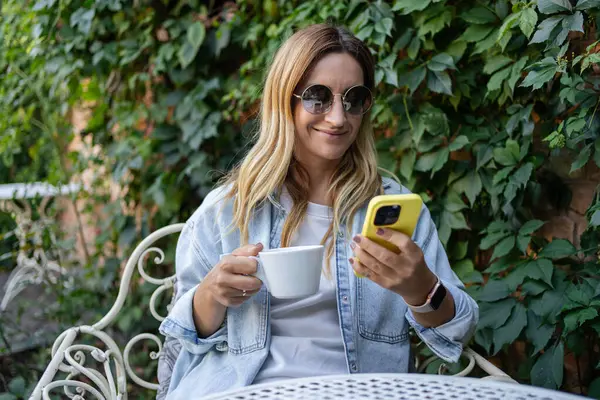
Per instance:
x=399, y=212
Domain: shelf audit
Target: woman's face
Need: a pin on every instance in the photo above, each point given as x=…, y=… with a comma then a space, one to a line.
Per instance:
x=325, y=138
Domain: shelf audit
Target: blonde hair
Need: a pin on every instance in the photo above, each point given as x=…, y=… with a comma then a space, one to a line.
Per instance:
x=270, y=163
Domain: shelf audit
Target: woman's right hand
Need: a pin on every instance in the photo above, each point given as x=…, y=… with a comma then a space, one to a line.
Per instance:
x=230, y=282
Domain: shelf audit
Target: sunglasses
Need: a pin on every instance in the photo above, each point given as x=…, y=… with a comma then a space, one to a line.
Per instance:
x=318, y=99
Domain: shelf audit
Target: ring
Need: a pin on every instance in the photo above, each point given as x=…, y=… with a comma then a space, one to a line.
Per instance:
x=243, y=293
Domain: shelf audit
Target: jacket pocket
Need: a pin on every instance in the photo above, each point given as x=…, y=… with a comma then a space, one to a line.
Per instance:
x=380, y=313
x=247, y=325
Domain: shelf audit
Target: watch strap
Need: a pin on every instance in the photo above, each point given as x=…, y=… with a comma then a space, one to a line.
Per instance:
x=434, y=299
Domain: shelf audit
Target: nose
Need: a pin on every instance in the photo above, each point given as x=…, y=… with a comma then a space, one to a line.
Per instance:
x=336, y=117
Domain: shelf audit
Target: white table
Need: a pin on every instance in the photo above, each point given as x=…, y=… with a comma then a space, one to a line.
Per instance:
x=392, y=387
x=33, y=266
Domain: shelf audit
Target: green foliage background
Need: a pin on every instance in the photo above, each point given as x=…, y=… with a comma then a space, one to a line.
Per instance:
x=475, y=99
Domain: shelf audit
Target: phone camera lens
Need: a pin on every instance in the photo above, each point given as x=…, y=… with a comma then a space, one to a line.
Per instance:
x=387, y=215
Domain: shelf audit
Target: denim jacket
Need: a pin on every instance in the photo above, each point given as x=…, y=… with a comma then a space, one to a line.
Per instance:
x=374, y=322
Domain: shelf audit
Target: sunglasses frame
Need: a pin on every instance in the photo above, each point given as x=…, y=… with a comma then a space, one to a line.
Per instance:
x=342, y=95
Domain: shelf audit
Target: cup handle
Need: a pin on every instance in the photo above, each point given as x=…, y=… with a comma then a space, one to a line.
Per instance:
x=260, y=271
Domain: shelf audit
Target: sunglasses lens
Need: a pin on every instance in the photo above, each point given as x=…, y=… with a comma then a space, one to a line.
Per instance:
x=317, y=99
x=358, y=100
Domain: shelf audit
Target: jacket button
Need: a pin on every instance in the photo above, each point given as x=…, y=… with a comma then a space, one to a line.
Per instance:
x=340, y=234
x=345, y=299
x=353, y=366
x=222, y=346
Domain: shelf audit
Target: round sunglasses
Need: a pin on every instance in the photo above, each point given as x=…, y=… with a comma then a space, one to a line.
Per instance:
x=318, y=99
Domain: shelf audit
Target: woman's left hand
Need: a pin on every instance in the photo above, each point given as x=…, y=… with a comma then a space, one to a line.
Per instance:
x=404, y=273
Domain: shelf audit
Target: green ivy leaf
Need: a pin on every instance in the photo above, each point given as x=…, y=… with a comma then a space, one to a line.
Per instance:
x=196, y=34
x=504, y=33
x=586, y=5
x=543, y=72
x=515, y=278
x=523, y=242
x=540, y=269
x=530, y=227
x=494, y=315
x=522, y=175
x=517, y=68
x=458, y=143
x=511, y=330
x=492, y=239
x=415, y=77
x=496, y=80
x=466, y=272
x=494, y=290
x=407, y=163
x=545, y=28
x=441, y=62
x=582, y=158
x=595, y=219
x=575, y=319
x=186, y=54
x=505, y=157
x=502, y=174
x=439, y=82
x=476, y=33
x=494, y=63
x=384, y=26
x=433, y=20
x=548, y=369
x=573, y=22
x=479, y=15
x=533, y=288
x=410, y=6
x=538, y=332
x=527, y=21
x=554, y=6
x=17, y=386
x=558, y=248
x=549, y=305
x=470, y=185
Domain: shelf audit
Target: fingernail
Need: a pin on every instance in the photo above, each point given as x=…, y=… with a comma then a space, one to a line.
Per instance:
x=351, y=261
x=258, y=244
x=379, y=231
x=356, y=239
x=352, y=245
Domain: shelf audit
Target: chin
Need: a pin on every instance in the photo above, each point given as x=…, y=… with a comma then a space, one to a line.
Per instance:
x=332, y=156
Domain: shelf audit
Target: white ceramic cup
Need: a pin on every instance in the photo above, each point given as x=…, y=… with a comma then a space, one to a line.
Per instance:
x=291, y=272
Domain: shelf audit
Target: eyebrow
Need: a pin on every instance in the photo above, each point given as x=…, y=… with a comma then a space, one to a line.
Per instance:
x=343, y=91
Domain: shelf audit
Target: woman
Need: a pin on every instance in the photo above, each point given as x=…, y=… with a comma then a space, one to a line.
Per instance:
x=307, y=181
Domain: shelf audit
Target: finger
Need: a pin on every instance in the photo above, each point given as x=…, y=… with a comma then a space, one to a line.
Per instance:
x=362, y=270
x=233, y=293
x=238, y=265
x=239, y=282
x=248, y=250
x=401, y=240
x=380, y=253
x=370, y=262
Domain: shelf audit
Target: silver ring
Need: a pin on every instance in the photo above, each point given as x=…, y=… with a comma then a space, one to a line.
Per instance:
x=243, y=293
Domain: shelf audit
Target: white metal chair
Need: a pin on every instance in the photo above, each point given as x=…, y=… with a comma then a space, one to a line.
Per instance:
x=69, y=357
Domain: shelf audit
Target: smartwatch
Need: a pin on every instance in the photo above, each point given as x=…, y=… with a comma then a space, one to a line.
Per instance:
x=434, y=299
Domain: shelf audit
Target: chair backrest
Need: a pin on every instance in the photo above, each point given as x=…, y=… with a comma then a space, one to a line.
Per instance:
x=110, y=381
x=139, y=258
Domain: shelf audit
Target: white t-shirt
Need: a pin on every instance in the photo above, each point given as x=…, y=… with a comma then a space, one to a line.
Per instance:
x=306, y=339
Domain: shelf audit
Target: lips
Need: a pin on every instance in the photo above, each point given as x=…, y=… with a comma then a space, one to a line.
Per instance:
x=330, y=132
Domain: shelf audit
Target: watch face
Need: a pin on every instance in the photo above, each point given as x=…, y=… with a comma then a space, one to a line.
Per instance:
x=438, y=297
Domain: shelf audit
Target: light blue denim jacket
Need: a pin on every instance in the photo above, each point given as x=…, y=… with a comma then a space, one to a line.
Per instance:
x=374, y=322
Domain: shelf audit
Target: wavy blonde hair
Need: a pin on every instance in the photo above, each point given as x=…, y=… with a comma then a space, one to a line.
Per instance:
x=270, y=163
